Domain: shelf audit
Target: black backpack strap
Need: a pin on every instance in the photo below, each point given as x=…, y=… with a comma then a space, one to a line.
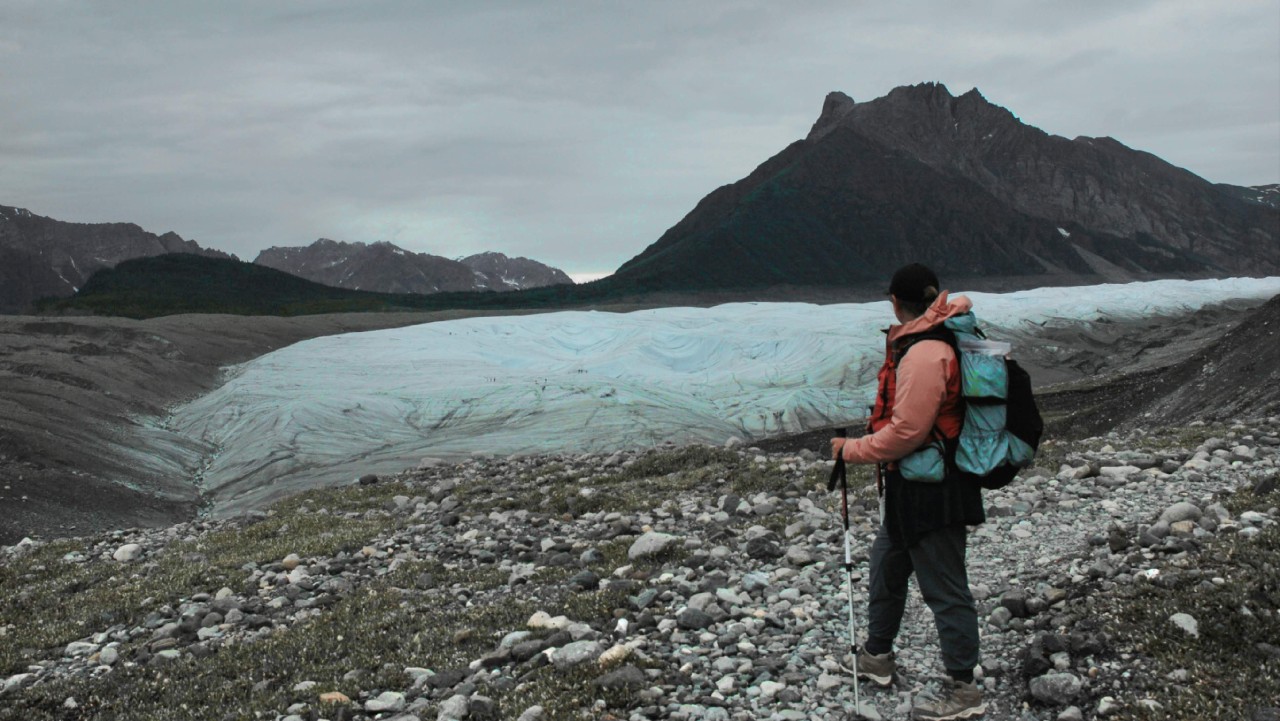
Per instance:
x=944, y=334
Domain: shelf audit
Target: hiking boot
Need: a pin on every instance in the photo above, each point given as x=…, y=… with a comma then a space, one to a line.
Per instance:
x=960, y=701
x=877, y=668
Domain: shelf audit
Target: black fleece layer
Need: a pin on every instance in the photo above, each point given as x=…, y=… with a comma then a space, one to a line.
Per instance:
x=914, y=508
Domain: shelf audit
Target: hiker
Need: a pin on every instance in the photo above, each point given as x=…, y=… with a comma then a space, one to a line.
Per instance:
x=922, y=527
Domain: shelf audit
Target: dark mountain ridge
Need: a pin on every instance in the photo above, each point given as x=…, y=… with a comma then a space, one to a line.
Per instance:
x=183, y=283
x=963, y=185
x=42, y=257
x=386, y=268
x=1098, y=183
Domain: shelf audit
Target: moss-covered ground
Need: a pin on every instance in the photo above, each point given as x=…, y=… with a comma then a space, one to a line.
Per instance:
x=1233, y=590
x=365, y=640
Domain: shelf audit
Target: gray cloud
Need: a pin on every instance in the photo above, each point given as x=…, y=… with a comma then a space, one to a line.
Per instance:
x=573, y=132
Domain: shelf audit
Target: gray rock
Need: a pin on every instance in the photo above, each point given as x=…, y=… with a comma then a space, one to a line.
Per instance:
x=702, y=601
x=128, y=552
x=694, y=619
x=1071, y=713
x=533, y=713
x=799, y=556
x=386, y=701
x=754, y=581
x=626, y=678
x=585, y=580
x=513, y=638
x=79, y=648
x=576, y=653
x=1244, y=453
x=1107, y=706
x=1186, y=623
x=729, y=597
x=482, y=708
x=1253, y=518
x=1000, y=617
x=454, y=708
x=1056, y=688
x=16, y=681
x=650, y=544
x=763, y=549
x=642, y=600
x=1181, y=511
x=1137, y=459
x=1016, y=602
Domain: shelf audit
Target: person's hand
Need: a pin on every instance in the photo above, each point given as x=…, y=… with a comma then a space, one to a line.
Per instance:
x=837, y=444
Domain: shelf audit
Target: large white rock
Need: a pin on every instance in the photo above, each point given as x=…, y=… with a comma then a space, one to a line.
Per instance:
x=128, y=552
x=1187, y=623
x=650, y=544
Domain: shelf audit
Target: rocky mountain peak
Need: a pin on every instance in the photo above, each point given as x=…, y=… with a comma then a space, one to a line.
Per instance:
x=385, y=267
x=834, y=108
x=961, y=183
x=506, y=273
x=915, y=114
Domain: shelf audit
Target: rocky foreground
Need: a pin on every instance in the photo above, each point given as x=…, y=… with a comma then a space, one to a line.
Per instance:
x=1125, y=577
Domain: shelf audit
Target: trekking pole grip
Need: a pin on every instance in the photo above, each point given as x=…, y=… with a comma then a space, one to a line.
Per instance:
x=838, y=470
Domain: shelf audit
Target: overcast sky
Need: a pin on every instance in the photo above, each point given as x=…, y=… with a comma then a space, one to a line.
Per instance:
x=573, y=133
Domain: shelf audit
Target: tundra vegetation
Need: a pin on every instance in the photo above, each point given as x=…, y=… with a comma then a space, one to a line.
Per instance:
x=466, y=584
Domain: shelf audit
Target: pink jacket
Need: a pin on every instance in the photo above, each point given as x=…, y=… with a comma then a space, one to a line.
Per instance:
x=921, y=388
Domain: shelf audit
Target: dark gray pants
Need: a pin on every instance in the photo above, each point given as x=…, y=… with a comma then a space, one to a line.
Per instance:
x=938, y=562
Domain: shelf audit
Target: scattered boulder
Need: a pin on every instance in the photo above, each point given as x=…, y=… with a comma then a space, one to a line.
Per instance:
x=1181, y=511
x=128, y=552
x=576, y=653
x=1058, y=689
x=1186, y=623
x=650, y=544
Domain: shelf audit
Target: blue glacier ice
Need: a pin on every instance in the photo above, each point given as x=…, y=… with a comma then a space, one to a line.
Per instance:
x=324, y=411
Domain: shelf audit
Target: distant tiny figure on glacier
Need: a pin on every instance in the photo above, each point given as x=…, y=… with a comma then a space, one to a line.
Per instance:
x=925, y=504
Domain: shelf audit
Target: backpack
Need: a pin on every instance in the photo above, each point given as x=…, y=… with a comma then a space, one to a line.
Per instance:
x=1002, y=426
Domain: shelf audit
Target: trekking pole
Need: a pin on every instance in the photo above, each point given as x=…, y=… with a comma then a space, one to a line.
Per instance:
x=838, y=472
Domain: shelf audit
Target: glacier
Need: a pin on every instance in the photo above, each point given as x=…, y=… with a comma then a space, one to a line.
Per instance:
x=324, y=411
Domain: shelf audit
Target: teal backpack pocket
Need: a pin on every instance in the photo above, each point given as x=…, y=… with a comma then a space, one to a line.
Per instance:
x=928, y=464
x=979, y=452
x=983, y=376
x=1020, y=454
